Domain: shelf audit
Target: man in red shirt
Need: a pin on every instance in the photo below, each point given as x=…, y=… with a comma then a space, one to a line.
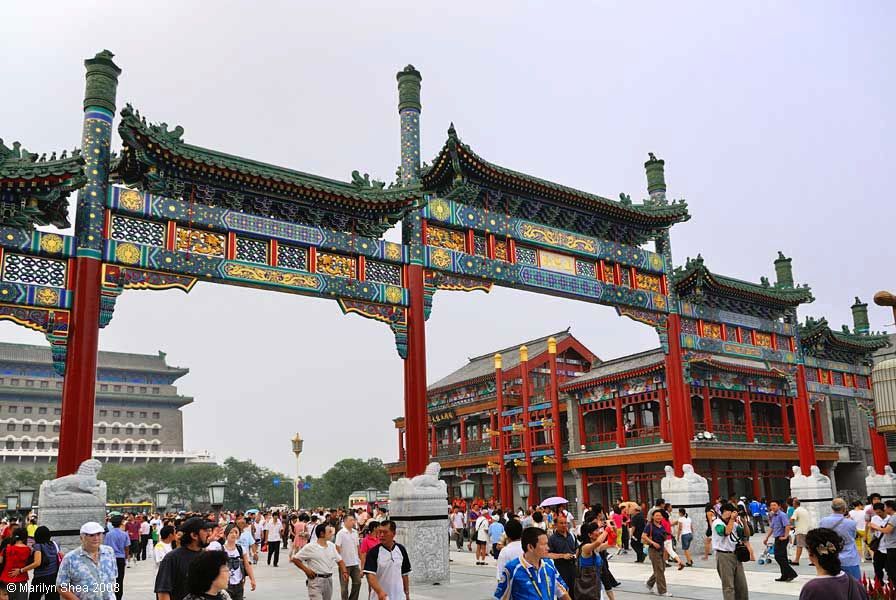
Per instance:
x=132, y=527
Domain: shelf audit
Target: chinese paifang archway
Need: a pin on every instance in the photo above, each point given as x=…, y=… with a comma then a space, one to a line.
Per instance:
x=168, y=214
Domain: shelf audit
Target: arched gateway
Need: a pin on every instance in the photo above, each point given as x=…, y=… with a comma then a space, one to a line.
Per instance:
x=183, y=213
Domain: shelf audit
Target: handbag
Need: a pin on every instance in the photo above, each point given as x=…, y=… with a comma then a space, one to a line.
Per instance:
x=741, y=552
x=587, y=582
x=874, y=544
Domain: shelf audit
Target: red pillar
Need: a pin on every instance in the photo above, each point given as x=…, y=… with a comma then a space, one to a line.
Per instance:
x=623, y=480
x=620, y=426
x=555, y=415
x=713, y=480
x=581, y=413
x=879, y=450
x=506, y=499
x=527, y=437
x=748, y=417
x=79, y=387
x=707, y=409
x=819, y=432
x=785, y=420
x=679, y=402
x=803, y=426
x=755, y=476
x=463, y=435
x=663, y=419
x=415, y=375
x=586, y=494
x=433, y=440
x=493, y=426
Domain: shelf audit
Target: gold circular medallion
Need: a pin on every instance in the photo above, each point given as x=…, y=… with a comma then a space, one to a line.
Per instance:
x=131, y=200
x=47, y=296
x=127, y=253
x=393, y=294
x=51, y=243
x=393, y=251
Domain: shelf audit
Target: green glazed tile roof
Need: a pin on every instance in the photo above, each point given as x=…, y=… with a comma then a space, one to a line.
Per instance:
x=817, y=332
x=456, y=156
x=695, y=273
x=154, y=145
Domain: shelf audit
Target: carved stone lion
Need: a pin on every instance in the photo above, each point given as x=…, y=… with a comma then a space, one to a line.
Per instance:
x=82, y=487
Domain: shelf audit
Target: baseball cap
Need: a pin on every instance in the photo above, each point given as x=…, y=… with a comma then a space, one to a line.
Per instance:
x=91, y=528
x=195, y=525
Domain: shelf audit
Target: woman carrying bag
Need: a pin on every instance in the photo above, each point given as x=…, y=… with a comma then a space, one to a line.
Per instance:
x=587, y=583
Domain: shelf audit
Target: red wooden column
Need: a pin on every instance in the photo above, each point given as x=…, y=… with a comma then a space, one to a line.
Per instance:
x=663, y=416
x=493, y=426
x=527, y=438
x=754, y=465
x=819, y=432
x=415, y=375
x=463, y=435
x=713, y=480
x=555, y=415
x=679, y=401
x=804, y=443
x=785, y=420
x=879, y=450
x=748, y=417
x=707, y=409
x=586, y=494
x=620, y=426
x=79, y=386
x=623, y=481
x=504, y=497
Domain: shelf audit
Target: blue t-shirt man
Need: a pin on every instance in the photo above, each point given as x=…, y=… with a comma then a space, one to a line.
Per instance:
x=119, y=541
x=495, y=531
x=755, y=508
x=523, y=581
x=846, y=529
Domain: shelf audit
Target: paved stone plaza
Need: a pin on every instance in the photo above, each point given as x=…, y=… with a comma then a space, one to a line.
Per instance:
x=469, y=582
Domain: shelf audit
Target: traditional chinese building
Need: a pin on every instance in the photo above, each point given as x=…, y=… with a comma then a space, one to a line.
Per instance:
x=740, y=349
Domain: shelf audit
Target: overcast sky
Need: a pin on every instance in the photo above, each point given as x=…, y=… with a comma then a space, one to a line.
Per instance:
x=775, y=121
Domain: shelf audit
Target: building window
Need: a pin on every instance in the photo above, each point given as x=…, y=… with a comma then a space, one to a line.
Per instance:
x=27, y=410
x=116, y=388
x=10, y=444
x=42, y=410
x=54, y=445
x=155, y=415
x=102, y=429
x=44, y=384
x=41, y=427
x=130, y=389
x=115, y=446
x=57, y=411
x=101, y=446
x=129, y=447
x=142, y=390
x=155, y=390
x=13, y=409
x=116, y=413
x=26, y=427
x=840, y=420
x=130, y=413
x=56, y=428
x=103, y=412
x=104, y=387
x=143, y=431
x=29, y=383
x=116, y=430
x=141, y=447
x=24, y=444
x=129, y=430
x=39, y=445
x=142, y=414
x=10, y=427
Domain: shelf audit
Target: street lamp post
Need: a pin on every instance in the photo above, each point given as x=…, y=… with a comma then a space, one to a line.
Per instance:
x=12, y=503
x=216, y=496
x=467, y=489
x=371, y=493
x=297, y=444
x=162, y=497
x=26, y=501
x=522, y=486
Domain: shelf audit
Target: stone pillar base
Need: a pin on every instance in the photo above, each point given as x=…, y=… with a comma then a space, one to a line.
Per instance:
x=814, y=492
x=885, y=484
x=68, y=502
x=690, y=492
x=419, y=507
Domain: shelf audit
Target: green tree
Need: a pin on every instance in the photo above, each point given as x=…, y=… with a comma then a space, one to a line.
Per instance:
x=346, y=476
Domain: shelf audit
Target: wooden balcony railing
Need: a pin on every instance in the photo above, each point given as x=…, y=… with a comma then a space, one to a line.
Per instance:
x=600, y=441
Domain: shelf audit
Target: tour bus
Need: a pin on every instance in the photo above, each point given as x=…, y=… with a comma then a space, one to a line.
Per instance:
x=358, y=499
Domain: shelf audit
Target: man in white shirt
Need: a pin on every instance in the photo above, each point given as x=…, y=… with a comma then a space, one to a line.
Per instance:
x=272, y=536
x=347, y=547
x=387, y=567
x=318, y=560
x=458, y=523
x=163, y=547
x=514, y=549
x=857, y=514
x=481, y=536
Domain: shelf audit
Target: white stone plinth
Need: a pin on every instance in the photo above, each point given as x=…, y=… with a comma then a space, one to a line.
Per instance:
x=814, y=492
x=885, y=484
x=690, y=492
x=68, y=502
x=419, y=507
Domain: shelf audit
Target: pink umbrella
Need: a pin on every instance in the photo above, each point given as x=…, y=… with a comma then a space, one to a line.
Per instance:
x=554, y=501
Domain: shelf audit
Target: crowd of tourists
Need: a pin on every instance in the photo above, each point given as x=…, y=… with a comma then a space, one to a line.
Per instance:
x=547, y=545
x=209, y=556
